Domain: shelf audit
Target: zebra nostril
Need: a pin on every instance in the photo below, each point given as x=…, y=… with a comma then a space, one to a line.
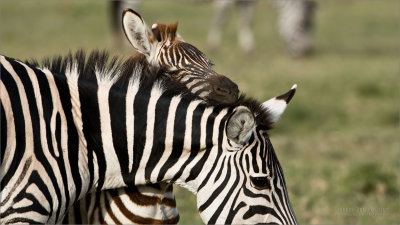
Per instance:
x=225, y=85
x=223, y=90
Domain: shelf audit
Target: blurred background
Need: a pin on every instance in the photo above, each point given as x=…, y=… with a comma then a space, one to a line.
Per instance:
x=338, y=142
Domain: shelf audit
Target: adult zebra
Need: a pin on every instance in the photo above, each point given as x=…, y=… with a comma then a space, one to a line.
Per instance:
x=163, y=48
x=73, y=127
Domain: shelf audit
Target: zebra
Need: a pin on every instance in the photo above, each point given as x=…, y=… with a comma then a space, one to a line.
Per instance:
x=78, y=124
x=296, y=21
x=150, y=204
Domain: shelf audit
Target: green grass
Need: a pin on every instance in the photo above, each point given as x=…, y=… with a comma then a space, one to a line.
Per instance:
x=338, y=142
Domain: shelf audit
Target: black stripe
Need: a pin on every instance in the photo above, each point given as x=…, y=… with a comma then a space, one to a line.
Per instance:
x=217, y=191
x=178, y=139
x=22, y=220
x=19, y=121
x=221, y=132
x=254, y=156
x=251, y=194
x=35, y=120
x=195, y=142
x=159, y=132
x=47, y=104
x=259, y=209
x=228, y=195
x=234, y=211
x=194, y=172
x=77, y=214
x=282, y=193
x=140, y=107
x=117, y=108
x=73, y=140
x=261, y=151
x=276, y=204
x=3, y=133
x=37, y=203
x=247, y=163
x=91, y=128
x=220, y=171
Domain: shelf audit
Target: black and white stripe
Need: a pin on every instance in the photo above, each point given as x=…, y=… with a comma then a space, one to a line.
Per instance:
x=189, y=66
x=67, y=134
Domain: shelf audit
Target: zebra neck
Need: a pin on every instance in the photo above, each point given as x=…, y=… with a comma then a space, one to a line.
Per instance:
x=145, y=136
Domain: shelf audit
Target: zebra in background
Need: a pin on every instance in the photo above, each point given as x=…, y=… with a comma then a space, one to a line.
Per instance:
x=78, y=125
x=75, y=125
x=164, y=48
x=295, y=24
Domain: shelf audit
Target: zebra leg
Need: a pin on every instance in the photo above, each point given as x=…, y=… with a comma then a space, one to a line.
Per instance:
x=245, y=33
x=295, y=25
x=221, y=13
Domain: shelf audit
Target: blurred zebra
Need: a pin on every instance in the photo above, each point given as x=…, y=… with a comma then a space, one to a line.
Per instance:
x=164, y=48
x=75, y=125
x=295, y=24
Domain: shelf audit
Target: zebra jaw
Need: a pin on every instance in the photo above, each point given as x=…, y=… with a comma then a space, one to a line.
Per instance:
x=276, y=106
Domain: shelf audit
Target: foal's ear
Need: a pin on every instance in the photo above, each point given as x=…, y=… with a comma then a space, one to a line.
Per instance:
x=240, y=125
x=277, y=105
x=138, y=34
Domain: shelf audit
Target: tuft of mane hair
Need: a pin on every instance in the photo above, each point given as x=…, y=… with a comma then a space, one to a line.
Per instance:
x=136, y=67
x=122, y=70
x=164, y=32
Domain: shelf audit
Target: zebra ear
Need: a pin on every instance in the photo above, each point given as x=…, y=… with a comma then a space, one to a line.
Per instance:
x=136, y=31
x=276, y=106
x=240, y=125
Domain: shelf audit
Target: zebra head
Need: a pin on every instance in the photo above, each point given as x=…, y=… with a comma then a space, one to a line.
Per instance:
x=246, y=183
x=164, y=47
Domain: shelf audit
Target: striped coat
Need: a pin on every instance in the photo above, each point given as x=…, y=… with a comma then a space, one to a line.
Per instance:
x=78, y=125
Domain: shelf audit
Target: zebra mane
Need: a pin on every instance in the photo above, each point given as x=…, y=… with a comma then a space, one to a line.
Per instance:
x=100, y=66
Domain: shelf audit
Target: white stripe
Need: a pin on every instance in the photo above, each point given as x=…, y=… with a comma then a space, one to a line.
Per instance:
x=43, y=131
x=115, y=209
x=237, y=188
x=203, y=126
x=71, y=72
x=168, y=137
x=28, y=138
x=187, y=140
x=130, y=97
x=11, y=141
x=196, y=89
x=156, y=93
x=57, y=107
x=113, y=176
x=186, y=172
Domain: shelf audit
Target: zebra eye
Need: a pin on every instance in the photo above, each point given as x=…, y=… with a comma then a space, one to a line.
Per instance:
x=260, y=183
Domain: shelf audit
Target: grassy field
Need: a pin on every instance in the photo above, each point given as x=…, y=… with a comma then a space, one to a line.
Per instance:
x=338, y=143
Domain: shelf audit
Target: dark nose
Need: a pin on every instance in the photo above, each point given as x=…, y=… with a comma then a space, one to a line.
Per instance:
x=223, y=90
